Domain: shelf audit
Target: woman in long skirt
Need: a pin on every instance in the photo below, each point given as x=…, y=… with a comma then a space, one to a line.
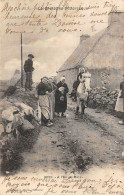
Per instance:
x=119, y=107
x=61, y=98
x=44, y=100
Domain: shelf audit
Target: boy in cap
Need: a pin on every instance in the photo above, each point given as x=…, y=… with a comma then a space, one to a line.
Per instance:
x=28, y=68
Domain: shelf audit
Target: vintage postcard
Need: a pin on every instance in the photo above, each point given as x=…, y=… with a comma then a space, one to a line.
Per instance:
x=62, y=97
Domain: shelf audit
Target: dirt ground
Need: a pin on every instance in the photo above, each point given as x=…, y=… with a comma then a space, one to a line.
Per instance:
x=74, y=146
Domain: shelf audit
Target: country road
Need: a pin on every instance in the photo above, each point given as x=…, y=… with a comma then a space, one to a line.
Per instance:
x=81, y=156
x=73, y=146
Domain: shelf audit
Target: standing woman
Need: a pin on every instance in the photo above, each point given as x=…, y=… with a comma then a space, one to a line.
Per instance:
x=119, y=107
x=61, y=98
x=43, y=90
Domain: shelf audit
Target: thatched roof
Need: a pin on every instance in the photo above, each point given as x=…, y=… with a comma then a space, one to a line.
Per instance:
x=104, y=49
x=109, y=51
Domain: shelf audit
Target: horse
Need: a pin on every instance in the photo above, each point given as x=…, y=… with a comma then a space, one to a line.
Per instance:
x=82, y=96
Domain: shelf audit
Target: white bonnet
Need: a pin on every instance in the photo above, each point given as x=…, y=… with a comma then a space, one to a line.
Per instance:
x=62, y=78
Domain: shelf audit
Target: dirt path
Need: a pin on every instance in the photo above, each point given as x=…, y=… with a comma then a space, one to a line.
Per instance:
x=50, y=152
x=76, y=145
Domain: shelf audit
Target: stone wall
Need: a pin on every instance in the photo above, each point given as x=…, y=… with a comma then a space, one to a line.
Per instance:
x=18, y=122
x=103, y=98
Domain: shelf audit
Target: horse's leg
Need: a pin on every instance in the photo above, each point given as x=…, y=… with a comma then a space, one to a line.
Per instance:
x=77, y=113
x=77, y=108
x=82, y=107
x=78, y=104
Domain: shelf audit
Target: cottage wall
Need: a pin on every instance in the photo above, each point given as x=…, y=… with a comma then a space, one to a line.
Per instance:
x=109, y=78
x=102, y=54
x=70, y=75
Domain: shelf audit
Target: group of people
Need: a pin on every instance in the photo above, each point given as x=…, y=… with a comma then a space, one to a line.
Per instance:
x=52, y=99
x=53, y=96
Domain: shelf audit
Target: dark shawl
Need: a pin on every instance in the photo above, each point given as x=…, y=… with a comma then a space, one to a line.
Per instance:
x=61, y=99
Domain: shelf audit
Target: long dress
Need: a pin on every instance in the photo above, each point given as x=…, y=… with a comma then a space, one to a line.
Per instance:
x=61, y=98
x=44, y=100
x=120, y=99
x=119, y=107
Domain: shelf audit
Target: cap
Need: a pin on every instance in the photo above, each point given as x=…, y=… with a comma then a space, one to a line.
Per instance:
x=30, y=55
x=44, y=78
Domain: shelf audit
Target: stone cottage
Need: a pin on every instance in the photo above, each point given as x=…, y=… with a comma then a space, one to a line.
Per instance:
x=102, y=54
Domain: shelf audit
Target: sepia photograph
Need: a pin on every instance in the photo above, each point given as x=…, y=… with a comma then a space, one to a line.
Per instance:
x=62, y=97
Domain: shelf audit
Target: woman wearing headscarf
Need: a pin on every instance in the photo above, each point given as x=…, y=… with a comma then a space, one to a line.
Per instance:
x=81, y=73
x=43, y=90
x=61, y=97
x=119, y=107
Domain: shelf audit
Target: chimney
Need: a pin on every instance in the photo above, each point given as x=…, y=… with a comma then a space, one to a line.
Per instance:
x=84, y=37
x=116, y=17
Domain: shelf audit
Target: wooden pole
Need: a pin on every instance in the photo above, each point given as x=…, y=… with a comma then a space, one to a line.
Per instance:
x=21, y=63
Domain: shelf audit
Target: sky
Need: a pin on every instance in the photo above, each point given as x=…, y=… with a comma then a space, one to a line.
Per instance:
x=49, y=54
x=49, y=49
